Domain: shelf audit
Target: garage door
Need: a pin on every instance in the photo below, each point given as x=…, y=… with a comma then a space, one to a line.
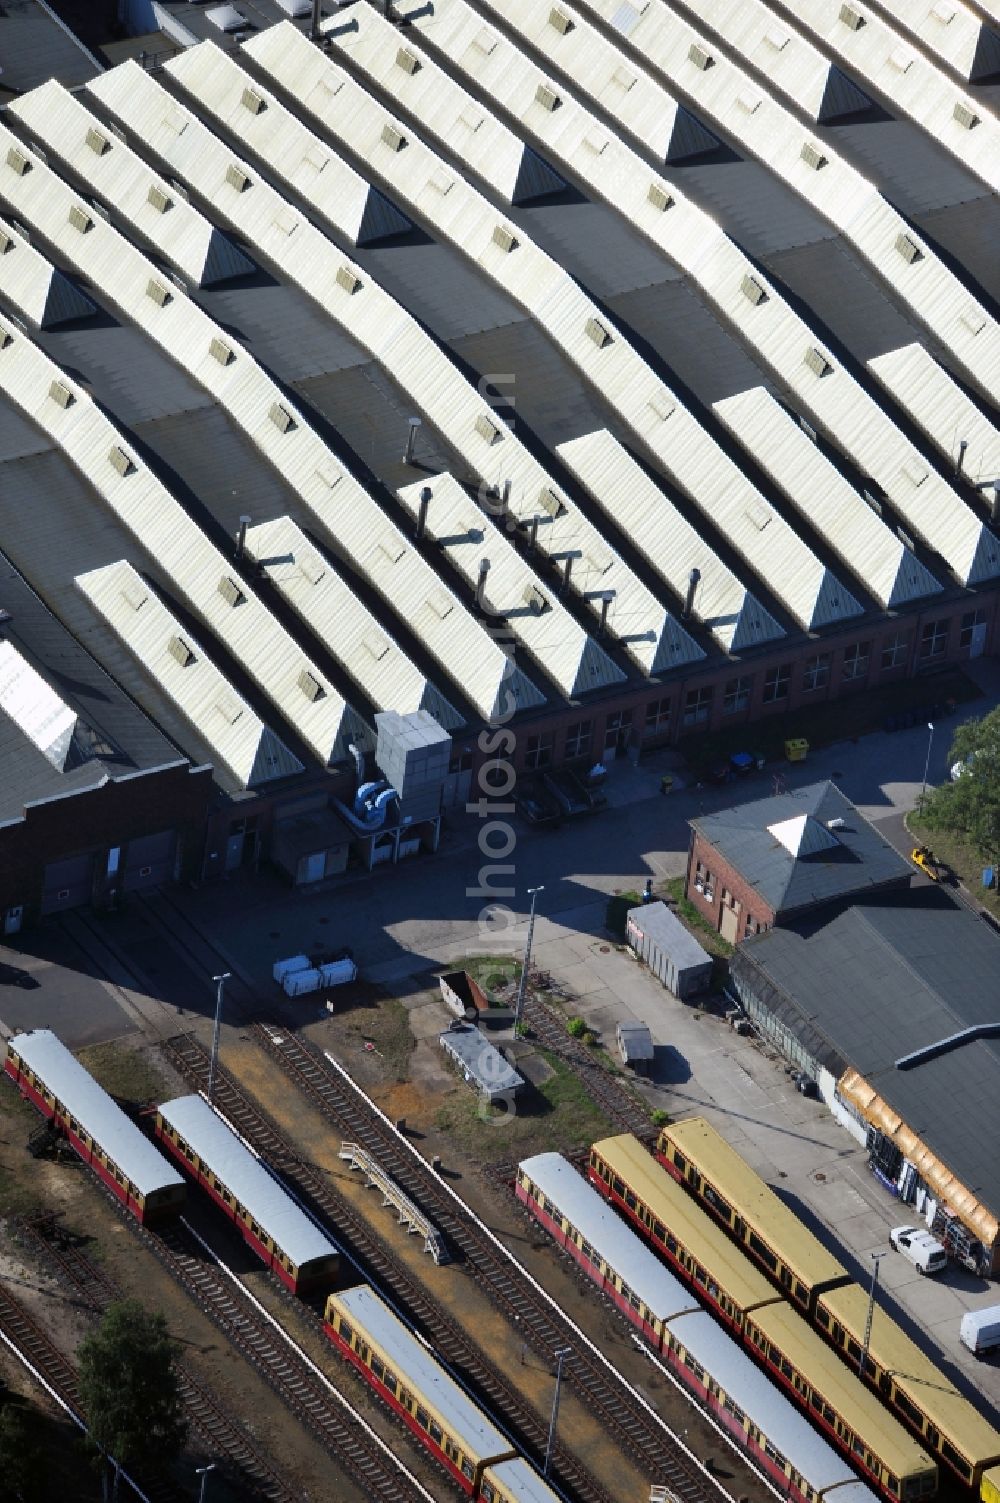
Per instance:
x=149, y=862
x=68, y=884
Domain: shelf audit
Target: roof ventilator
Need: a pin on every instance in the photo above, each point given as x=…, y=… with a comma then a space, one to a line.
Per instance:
x=161, y=295
x=229, y=708
x=161, y=201
x=97, y=142
x=812, y=156
x=80, y=219
x=7, y=242
x=18, y=161
x=547, y=98
x=61, y=394
x=776, y=38
x=908, y=249
x=221, y=352
x=178, y=649
x=393, y=138
x=487, y=429
x=534, y=600
x=441, y=604
x=900, y=59
x=753, y=291
x=966, y=118
x=408, y=61
x=817, y=361
x=943, y=13
x=659, y=197
x=852, y=17
x=310, y=685
x=281, y=417
x=700, y=56
x=560, y=20
x=237, y=178
x=120, y=461
x=6, y=338
x=230, y=591
x=347, y=279
x=504, y=237
x=252, y=101
x=550, y=502
x=596, y=331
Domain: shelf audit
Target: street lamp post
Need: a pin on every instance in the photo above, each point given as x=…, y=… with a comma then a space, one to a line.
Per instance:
x=202, y=1472
x=220, y=982
x=927, y=762
x=876, y=1258
x=560, y=1356
x=523, y=986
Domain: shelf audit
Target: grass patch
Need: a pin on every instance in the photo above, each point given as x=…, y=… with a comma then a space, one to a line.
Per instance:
x=125, y=1072
x=961, y=857
x=842, y=719
x=558, y=1115
x=387, y=1027
x=710, y=939
x=617, y=912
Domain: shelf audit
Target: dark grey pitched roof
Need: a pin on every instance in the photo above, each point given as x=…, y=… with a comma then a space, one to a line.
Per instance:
x=882, y=979
x=856, y=859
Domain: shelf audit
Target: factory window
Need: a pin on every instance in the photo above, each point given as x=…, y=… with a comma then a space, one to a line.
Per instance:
x=856, y=659
x=657, y=717
x=895, y=650
x=970, y=621
x=538, y=751
x=816, y=672
x=461, y=759
x=578, y=738
x=776, y=681
x=616, y=729
x=736, y=696
x=697, y=706
x=934, y=639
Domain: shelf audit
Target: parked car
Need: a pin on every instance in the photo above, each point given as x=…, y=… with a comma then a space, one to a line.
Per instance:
x=924, y=1251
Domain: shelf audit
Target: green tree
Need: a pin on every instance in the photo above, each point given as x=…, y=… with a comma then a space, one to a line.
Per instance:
x=129, y=1388
x=971, y=804
x=24, y=1471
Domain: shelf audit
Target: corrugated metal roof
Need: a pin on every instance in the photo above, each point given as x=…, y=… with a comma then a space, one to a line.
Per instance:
x=239, y=739
x=658, y=923
x=618, y=483
x=514, y=592
x=817, y=489
x=952, y=31
x=938, y=405
x=520, y=1482
x=38, y=45
x=94, y=1109
x=35, y=707
x=33, y=285
x=909, y=80
x=247, y=1179
x=419, y=1370
x=122, y=179
x=569, y=1195
x=65, y=411
x=358, y=639
x=482, y=1062
x=852, y=205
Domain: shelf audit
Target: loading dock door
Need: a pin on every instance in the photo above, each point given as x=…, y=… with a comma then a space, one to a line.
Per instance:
x=149, y=861
x=68, y=883
x=729, y=924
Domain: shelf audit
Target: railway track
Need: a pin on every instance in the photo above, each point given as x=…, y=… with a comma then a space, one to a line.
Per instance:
x=386, y=1269
x=638, y=1433
x=622, y=1109
x=221, y=1436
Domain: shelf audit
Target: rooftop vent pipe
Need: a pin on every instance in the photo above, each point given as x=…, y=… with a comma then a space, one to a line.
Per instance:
x=995, y=508
x=425, y=501
x=533, y=534
x=411, y=438
x=567, y=573
x=606, y=600
x=314, y=31
x=484, y=569
x=960, y=461
x=241, y=540
x=693, y=580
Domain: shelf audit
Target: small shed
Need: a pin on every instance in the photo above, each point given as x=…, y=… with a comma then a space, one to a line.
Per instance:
x=482, y=1065
x=462, y=994
x=669, y=949
x=635, y=1045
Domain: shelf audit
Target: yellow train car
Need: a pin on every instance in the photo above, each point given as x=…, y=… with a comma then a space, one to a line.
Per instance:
x=699, y=1158
x=989, y=1488
x=948, y=1424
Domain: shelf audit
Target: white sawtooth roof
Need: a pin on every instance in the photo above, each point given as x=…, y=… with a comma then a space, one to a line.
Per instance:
x=557, y=303
x=394, y=337
x=114, y=171
x=514, y=592
x=853, y=205
x=244, y=1175
x=784, y=55
x=357, y=638
x=817, y=489
x=915, y=86
x=938, y=405
x=163, y=528
x=137, y=1158
x=33, y=286
x=952, y=31
x=723, y=604
x=237, y=737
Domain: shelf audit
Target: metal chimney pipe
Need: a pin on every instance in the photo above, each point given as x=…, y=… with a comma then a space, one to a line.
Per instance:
x=484, y=569
x=566, y=575
x=314, y=32
x=960, y=461
x=411, y=438
x=693, y=579
x=425, y=501
x=995, y=508
x=606, y=600
x=533, y=534
x=241, y=540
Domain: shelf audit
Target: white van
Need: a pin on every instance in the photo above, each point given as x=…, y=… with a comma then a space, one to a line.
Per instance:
x=980, y=1330
x=924, y=1251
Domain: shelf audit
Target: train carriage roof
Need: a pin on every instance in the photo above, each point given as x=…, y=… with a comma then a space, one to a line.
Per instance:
x=421, y=1373
x=565, y=1189
x=247, y=1179
x=807, y=1351
x=916, y=1375
x=755, y=1201
x=788, y=1430
x=681, y=1214
x=520, y=1482
x=94, y=1109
